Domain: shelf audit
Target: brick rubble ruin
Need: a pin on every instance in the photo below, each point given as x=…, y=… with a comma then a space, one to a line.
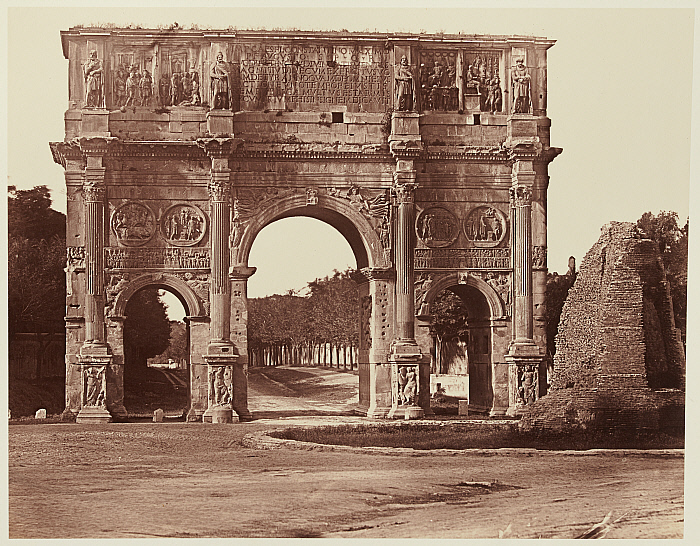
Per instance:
x=619, y=360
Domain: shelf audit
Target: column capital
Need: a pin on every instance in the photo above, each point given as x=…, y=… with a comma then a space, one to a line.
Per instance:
x=404, y=190
x=520, y=196
x=219, y=186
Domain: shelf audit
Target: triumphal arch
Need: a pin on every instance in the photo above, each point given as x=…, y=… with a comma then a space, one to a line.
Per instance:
x=428, y=153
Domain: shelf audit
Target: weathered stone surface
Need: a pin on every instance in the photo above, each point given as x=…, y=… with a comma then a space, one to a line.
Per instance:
x=619, y=360
x=40, y=414
x=158, y=416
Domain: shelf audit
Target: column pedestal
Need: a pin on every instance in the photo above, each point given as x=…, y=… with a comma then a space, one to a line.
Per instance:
x=524, y=361
x=220, y=363
x=93, y=397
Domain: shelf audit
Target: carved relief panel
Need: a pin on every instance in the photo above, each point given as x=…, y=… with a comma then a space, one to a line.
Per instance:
x=438, y=80
x=183, y=225
x=485, y=226
x=482, y=81
x=437, y=227
x=405, y=385
x=133, y=224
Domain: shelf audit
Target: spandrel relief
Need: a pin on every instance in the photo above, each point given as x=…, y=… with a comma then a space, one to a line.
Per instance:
x=133, y=223
x=376, y=208
x=437, y=227
x=183, y=225
x=485, y=226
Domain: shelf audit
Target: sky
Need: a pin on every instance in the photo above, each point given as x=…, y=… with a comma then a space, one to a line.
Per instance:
x=619, y=98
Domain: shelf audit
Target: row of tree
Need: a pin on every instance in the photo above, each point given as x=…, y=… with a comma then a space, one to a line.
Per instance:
x=289, y=328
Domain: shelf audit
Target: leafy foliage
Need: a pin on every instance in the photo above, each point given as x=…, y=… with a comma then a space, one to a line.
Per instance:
x=146, y=329
x=449, y=317
x=328, y=314
x=673, y=245
x=36, y=258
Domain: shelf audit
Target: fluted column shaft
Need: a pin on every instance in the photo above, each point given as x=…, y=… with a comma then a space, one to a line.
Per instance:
x=521, y=208
x=220, y=284
x=94, y=195
x=405, y=243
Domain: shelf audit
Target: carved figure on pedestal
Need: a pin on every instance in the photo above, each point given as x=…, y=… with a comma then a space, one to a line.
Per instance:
x=521, y=88
x=120, y=87
x=196, y=97
x=146, y=87
x=494, y=101
x=220, y=84
x=132, y=88
x=164, y=90
x=175, y=86
x=405, y=93
x=94, y=89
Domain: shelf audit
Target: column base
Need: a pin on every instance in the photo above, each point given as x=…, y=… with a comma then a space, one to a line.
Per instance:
x=93, y=414
x=406, y=412
x=378, y=412
x=220, y=414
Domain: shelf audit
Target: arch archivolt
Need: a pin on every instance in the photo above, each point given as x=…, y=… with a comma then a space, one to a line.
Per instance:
x=193, y=292
x=429, y=285
x=341, y=213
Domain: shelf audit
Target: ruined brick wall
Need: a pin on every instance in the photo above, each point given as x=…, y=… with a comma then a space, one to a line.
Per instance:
x=617, y=345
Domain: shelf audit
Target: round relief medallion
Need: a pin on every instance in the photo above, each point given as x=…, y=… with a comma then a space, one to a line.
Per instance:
x=133, y=223
x=485, y=226
x=437, y=227
x=183, y=225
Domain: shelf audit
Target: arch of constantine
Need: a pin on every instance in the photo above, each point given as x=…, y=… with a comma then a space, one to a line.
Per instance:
x=428, y=153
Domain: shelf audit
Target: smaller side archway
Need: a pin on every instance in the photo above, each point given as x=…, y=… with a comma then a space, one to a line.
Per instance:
x=488, y=328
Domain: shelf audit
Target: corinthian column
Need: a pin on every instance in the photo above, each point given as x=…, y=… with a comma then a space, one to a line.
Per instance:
x=524, y=356
x=94, y=195
x=222, y=358
x=95, y=355
x=405, y=356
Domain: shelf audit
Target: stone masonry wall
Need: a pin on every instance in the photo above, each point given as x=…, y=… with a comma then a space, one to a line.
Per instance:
x=619, y=361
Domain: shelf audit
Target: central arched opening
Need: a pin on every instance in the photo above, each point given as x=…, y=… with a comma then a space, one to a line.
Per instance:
x=303, y=326
x=156, y=353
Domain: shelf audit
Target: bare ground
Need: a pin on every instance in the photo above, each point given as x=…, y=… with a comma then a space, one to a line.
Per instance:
x=141, y=480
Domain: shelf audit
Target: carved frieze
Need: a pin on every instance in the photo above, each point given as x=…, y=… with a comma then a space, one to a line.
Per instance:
x=158, y=258
x=437, y=227
x=310, y=76
x=485, y=226
x=133, y=223
x=462, y=258
x=75, y=257
x=183, y=225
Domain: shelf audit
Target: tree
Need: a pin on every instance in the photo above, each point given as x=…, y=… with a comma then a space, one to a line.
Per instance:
x=449, y=317
x=146, y=329
x=36, y=258
x=673, y=246
x=30, y=215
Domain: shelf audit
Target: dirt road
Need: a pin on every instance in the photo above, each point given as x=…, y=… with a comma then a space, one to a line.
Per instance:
x=195, y=480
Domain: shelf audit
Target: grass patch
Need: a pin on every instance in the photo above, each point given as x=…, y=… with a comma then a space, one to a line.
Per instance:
x=470, y=436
